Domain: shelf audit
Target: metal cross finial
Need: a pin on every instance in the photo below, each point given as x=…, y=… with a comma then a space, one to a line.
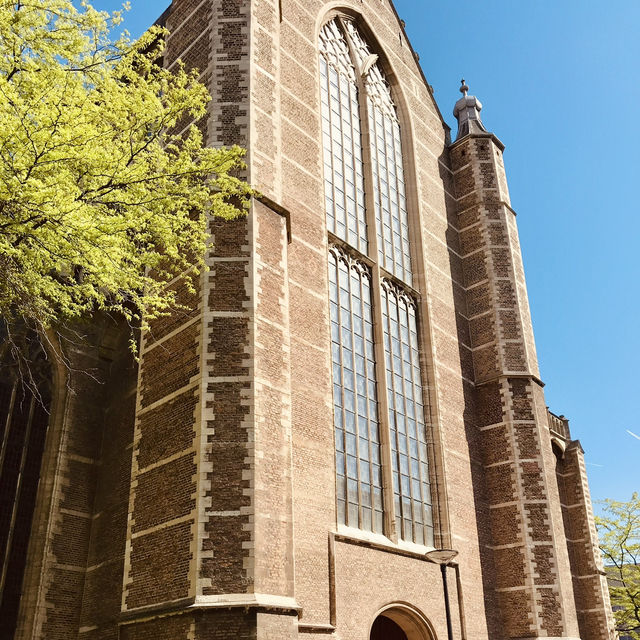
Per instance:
x=464, y=88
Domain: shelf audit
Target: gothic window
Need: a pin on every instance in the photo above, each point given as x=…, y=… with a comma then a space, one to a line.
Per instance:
x=386, y=164
x=411, y=491
x=377, y=386
x=358, y=468
x=344, y=186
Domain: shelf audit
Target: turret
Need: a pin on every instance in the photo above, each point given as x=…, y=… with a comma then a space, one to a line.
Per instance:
x=467, y=113
x=529, y=550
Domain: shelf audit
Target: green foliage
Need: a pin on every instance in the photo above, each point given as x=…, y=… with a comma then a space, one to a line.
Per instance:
x=619, y=533
x=104, y=188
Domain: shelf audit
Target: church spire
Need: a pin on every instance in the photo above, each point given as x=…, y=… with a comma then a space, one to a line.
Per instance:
x=467, y=112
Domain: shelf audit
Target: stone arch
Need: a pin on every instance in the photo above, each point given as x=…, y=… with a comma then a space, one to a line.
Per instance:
x=403, y=620
x=558, y=447
x=333, y=9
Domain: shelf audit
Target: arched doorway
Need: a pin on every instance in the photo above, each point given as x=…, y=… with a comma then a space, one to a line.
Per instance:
x=386, y=629
x=401, y=621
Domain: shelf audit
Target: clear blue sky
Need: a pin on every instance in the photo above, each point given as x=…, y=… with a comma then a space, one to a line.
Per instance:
x=560, y=86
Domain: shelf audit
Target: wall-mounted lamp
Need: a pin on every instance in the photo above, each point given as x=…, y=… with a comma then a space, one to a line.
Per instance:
x=443, y=557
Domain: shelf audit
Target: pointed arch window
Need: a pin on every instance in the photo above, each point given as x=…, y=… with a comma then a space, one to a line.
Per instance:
x=379, y=413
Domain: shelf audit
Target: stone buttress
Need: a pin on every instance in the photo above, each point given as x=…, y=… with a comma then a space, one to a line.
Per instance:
x=532, y=567
x=209, y=541
x=589, y=578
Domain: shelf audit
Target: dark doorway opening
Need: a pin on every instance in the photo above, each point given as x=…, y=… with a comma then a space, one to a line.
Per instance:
x=24, y=418
x=386, y=629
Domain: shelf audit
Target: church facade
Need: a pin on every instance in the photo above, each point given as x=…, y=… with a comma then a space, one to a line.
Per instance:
x=346, y=435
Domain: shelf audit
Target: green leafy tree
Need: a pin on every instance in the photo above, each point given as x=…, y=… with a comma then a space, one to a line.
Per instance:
x=619, y=534
x=105, y=187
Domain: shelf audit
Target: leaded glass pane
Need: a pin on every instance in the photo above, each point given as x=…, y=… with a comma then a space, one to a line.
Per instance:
x=392, y=225
x=406, y=417
x=359, y=478
x=342, y=141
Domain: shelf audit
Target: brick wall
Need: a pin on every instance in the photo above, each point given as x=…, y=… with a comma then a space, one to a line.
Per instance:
x=192, y=487
x=531, y=563
x=589, y=580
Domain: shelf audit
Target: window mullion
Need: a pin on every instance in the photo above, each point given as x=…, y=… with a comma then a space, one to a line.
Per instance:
x=383, y=412
x=378, y=327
